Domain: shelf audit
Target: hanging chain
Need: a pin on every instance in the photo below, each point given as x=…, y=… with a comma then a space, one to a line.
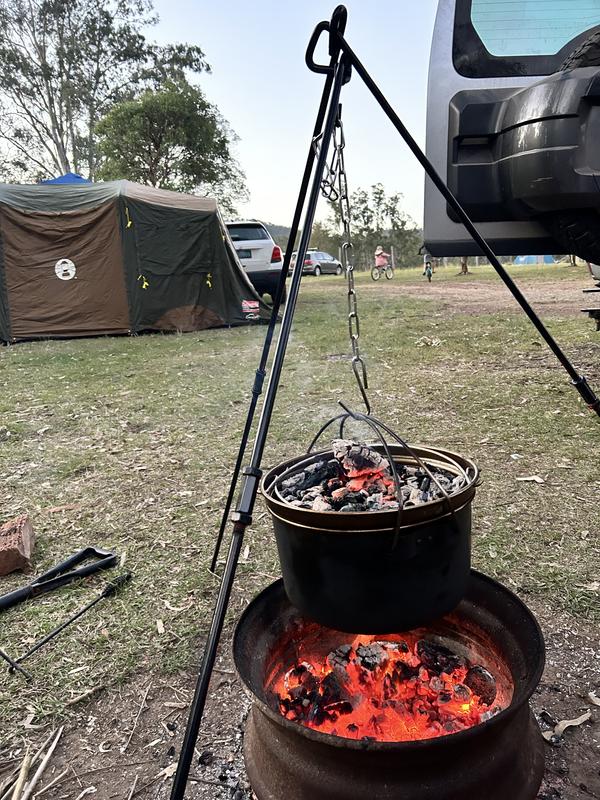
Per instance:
x=334, y=186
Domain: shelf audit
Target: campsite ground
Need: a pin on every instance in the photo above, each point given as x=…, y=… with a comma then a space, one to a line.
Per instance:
x=128, y=444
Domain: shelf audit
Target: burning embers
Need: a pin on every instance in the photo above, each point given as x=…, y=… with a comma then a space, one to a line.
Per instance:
x=358, y=478
x=403, y=688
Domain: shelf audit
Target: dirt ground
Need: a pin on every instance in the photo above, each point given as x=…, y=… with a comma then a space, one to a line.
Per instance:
x=467, y=296
x=125, y=744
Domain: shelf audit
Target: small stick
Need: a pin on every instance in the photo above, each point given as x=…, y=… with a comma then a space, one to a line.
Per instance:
x=132, y=790
x=126, y=745
x=5, y=789
x=90, y=692
x=23, y=773
x=88, y=790
x=33, y=782
x=52, y=783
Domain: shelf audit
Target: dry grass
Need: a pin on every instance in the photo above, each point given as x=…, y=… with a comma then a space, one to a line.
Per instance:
x=137, y=438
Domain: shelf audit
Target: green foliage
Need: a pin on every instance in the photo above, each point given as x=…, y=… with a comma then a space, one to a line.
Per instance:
x=376, y=219
x=64, y=63
x=280, y=234
x=172, y=138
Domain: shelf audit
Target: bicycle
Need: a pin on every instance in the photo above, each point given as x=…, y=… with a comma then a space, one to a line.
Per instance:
x=377, y=272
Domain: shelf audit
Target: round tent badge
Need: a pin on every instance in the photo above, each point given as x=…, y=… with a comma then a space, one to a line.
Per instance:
x=65, y=269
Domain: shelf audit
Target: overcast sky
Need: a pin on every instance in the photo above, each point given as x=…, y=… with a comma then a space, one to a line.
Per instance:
x=262, y=87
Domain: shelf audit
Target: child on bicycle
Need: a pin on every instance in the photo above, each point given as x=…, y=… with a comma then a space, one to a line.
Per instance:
x=381, y=258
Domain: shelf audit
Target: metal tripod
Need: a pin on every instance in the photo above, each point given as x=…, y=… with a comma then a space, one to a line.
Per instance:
x=338, y=72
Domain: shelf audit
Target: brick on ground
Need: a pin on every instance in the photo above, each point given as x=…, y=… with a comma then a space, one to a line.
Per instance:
x=17, y=540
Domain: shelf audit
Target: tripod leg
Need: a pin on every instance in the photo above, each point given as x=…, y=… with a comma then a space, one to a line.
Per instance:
x=243, y=514
x=261, y=371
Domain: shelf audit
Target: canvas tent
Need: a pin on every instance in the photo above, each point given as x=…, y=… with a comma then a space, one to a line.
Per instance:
x=547, y=259
x=117, y=257
x=68, y=177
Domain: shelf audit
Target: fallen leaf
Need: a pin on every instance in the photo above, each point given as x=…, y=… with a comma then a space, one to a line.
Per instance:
x=532, y=478
x=572, y=723
x=426, y=341
x=178, y=609
x=593, y=698
x=168, y=772
x=561, y=727
x=153, y=743
x=27, y=722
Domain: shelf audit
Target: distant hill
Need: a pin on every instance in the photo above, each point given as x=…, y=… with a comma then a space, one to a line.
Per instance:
x=280, y=233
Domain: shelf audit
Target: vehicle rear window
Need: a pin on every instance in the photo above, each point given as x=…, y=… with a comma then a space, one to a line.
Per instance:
x=242, y=233
x=532, y=29
x=501, y=38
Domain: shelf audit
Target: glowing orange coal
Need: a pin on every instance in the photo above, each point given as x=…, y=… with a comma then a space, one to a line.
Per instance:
x=402, y=688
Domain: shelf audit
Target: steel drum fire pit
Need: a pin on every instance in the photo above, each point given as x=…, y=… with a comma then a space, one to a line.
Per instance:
x=500, y=757
x=376, y=571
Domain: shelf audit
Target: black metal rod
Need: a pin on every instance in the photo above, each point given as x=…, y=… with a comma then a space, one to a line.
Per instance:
x=109, y=590
x=243, y=515
x=578, y=380
x=57, y=630
x=208, y=663
x=261, y=370
x=15, y=666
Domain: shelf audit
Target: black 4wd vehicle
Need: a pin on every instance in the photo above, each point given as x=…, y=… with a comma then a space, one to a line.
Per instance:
x=513, y=124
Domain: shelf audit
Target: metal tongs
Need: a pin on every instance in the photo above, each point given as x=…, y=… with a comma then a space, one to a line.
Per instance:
x=61, y=574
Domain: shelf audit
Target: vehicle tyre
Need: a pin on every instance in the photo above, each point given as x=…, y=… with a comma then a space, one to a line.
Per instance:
x=578, y=230
x=338, y=270
x=586, y=55
x=389, y=273
x=317, y=271
x=375, y=273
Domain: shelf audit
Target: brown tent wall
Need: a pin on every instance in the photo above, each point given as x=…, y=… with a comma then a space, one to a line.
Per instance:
x=90, y=300
x=4, y=315
x=116, y=258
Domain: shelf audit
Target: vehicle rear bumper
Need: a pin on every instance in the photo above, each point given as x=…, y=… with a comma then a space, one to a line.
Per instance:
x=267, y=281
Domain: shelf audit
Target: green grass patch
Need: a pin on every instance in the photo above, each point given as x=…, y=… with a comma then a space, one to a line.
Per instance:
x=128, y=443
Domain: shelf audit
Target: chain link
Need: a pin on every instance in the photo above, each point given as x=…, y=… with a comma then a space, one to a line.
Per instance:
x=334, y=186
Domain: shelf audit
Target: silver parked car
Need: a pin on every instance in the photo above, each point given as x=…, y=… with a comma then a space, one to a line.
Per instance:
x=259, y=255
x=317, y=262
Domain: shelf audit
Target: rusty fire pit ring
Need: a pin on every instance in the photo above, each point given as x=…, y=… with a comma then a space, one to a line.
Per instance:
x=500, y=758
